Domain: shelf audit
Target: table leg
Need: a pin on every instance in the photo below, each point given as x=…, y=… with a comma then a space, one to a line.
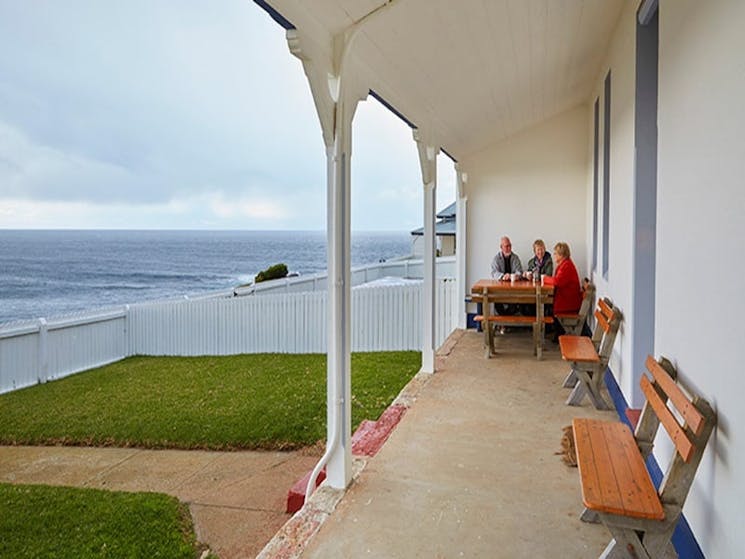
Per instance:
x=488, y=334
x=539, y=323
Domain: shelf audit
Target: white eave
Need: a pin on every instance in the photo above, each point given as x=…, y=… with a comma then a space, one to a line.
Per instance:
x=472, y=72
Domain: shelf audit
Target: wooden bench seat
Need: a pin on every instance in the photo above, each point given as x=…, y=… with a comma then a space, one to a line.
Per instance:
x=589, y=356
x=578, y=348
x=614, y=476
x=616, y=487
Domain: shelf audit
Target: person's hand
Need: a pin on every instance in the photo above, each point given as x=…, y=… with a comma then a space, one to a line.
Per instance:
x=505, y=277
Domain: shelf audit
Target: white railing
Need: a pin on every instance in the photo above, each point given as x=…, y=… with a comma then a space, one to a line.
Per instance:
x=383, y=318
x=38, y=351
x=401, y=268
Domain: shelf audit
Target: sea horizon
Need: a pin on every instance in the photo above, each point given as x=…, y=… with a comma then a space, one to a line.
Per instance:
x=52, y=272
x=193, y=230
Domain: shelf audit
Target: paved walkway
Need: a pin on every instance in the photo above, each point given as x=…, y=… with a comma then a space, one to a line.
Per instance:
x=237, y=499
x=470, y=471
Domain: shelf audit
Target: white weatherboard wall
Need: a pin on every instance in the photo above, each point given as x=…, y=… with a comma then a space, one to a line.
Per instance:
x=528, y=186
x=701, y=199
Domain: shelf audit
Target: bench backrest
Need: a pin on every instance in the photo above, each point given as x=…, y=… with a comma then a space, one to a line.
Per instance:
x=689, y=427
x=607, y=321
x=588, y=294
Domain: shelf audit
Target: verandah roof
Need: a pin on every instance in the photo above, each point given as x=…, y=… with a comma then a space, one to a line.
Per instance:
x=472, y=72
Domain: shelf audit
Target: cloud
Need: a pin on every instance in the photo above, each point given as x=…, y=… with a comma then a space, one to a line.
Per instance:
x=40, y=172
x=257, y=208
x=178, y=114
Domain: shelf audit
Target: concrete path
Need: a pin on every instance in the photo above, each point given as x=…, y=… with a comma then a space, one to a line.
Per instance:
x=237, y=499
x=471, y=470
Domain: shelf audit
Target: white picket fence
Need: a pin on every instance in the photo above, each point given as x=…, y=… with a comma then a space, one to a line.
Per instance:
x=383, y=318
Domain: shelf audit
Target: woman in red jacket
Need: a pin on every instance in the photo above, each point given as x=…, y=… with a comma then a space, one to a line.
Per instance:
x=567, y=291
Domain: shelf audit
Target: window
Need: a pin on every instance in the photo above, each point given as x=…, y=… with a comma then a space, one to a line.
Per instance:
x=606, y=174
x=595, y=167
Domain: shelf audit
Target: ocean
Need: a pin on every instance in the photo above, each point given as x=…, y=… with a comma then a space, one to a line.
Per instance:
x=45, y=273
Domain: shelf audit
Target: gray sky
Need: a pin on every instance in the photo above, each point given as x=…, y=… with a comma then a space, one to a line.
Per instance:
x=179, y=114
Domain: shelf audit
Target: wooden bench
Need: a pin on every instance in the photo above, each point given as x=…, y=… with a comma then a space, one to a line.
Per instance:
x=589, y=356
x=616, y=487
x=573, y=323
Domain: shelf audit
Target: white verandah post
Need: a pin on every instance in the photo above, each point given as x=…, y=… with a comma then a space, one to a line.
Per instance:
x=336, y=94
x=428, y=162
x=339, y=337
x=335, y=110
x=461, y=243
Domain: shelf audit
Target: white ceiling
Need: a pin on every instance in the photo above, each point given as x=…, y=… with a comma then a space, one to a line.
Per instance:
x=470, y=71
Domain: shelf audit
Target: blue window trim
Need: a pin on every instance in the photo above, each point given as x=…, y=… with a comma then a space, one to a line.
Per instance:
x=606, y=173
x=595, y=192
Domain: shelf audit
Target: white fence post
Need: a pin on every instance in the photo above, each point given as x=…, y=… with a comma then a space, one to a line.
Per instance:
x=127, y=328
x=43, y=358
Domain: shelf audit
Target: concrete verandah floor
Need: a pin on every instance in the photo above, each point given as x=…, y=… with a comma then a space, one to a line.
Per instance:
x=471, y=470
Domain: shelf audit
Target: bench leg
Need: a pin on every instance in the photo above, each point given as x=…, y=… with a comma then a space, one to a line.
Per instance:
x=586, y=386
x=571, y=380
x=624, y=545
x=658, y=545
x=577, y=395
x=590, y=516
x=596, y=386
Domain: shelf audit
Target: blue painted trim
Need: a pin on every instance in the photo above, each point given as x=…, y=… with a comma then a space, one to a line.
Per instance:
x=391, y=108
x=470, y=322
x=683, y=539
x=275, y=15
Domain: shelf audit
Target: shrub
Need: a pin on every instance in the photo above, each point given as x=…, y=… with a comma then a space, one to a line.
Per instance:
x=272, y=272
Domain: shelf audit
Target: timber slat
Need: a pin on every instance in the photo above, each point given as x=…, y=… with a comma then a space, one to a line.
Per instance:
x=614, y=477
x=600, y=317
x=578, y=348
x=667, y=419
x=606, y=309
x=685, y=407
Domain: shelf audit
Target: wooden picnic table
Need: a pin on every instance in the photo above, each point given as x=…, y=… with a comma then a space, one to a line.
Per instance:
x=488, y=291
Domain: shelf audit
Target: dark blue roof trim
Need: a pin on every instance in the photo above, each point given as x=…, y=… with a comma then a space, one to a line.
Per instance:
x=391, y=108
x=274, y=14
x=395, y=111
x=453, y=159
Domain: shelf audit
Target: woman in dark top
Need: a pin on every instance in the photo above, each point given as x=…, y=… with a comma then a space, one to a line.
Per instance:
x=541, y=263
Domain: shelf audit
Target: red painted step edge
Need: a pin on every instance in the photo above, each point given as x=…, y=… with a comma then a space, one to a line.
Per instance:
x=371, y=435
x=366, y=441
x=296, y=495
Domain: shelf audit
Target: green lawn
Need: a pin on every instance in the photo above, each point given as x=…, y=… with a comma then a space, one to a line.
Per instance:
x=264, y=401
x=62, y=522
